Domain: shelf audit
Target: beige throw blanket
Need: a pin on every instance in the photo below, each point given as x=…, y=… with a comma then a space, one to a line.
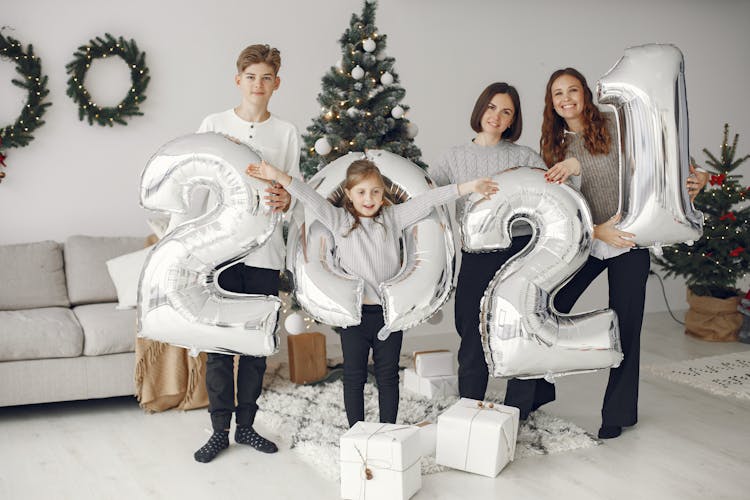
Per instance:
x=167, y=377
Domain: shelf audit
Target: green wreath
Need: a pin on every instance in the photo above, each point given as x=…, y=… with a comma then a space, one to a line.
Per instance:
x=29, y=66
x=100, y=48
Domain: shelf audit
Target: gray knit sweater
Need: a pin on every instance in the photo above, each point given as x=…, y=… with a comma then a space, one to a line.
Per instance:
x=600, y=174
x=371, y=251
x=469, y=161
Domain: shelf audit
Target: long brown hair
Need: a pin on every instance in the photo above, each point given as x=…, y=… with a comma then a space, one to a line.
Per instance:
x=513, y=132
x=595, y=134
x=357, y=172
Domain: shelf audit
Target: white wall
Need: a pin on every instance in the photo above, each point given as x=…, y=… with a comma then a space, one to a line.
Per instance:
x=80, y=179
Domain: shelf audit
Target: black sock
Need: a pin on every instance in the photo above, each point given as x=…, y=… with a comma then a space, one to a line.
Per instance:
x=217, y=442
x=245, y=434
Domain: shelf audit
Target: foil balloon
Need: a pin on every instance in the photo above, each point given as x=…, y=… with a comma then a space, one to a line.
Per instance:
x=179, y=300
x=330, y=295
x=521, y=334
x=646, y=87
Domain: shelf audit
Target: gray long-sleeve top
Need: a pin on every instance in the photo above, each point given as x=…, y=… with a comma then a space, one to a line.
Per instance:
x=372, y=250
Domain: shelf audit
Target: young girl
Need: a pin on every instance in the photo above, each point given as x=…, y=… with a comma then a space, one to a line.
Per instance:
x=366, y=233
x=498, y=123
x=577, y=139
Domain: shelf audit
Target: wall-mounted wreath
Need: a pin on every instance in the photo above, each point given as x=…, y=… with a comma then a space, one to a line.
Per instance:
x=103, y=48
x=29, y=66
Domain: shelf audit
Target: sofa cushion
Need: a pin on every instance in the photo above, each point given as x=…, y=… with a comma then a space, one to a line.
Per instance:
x=106, y=330
x=32, y=276
x=50, y=332
x=86, y=269
x=125, y=272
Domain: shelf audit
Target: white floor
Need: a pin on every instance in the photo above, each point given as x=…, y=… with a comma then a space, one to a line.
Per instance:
x=688, y=444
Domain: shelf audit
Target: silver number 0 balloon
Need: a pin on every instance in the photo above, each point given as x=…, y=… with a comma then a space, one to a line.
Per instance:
x=179, y=300
x=421, y=287
x=521, y=334
x=647, y=89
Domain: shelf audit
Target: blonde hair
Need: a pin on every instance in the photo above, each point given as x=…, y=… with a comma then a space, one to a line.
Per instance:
x=357, y=172
x=259, y=53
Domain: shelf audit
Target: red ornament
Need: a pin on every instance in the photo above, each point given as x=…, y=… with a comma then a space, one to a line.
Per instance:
x=2, y=160
x=728, y=215
x=718, y=179
x=736, y=252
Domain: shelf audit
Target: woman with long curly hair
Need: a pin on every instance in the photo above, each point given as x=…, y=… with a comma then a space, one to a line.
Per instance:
x=578, y=139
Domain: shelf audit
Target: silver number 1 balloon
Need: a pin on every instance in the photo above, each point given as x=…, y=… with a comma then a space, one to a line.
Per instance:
x=179, y=300
x=521, y=334
x=647, y=89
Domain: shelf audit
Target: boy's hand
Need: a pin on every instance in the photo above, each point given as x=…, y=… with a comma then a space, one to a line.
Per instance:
x=278, y=198
x=696, y=181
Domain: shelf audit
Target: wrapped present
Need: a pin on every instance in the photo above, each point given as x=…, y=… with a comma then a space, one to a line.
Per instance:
x=431, y=387
x=307, y=357
x=435, y=363
x=380, y=461
x=427, y=438
x=477, y=436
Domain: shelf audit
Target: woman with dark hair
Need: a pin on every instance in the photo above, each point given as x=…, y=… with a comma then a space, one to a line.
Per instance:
x=578, y=139
x=497, y=120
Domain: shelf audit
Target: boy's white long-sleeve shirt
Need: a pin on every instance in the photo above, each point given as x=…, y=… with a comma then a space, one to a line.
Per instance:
x=277, y=141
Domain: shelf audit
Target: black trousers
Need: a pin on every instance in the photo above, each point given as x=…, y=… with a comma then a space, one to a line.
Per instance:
x=356, y=342
x=627, y=275
x=220, y=367
x=477, y=270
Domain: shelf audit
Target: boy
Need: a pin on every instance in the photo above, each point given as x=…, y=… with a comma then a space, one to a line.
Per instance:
x=278, y=143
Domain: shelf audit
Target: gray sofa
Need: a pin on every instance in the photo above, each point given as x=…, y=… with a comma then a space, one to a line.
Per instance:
x=61, y=336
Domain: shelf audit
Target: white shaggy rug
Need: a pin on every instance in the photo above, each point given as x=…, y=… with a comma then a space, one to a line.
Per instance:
x=725, y=375
x=311, y=419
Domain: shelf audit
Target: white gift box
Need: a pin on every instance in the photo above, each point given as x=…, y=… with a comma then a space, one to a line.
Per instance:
x=380, y=461
x=434, y=363
x=476, y=436
x=432, y=387
x=427, y=438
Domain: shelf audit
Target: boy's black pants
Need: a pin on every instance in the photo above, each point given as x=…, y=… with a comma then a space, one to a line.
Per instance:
x=220, y=367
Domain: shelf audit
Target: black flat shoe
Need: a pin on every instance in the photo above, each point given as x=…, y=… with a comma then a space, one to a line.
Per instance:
x=609, y=431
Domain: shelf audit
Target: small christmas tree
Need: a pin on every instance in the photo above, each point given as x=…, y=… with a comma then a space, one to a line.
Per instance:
x=713, y=265
x=360, y=102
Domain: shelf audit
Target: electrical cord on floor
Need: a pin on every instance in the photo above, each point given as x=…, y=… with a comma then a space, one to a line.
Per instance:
x=664, y=293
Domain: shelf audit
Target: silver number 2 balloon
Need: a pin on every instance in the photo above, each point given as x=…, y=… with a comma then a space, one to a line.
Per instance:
x=522, y=336
x=647, y=89
x=422, y=286
x=179, y=300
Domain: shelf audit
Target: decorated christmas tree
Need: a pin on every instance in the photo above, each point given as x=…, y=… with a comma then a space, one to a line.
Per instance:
x=713, y=265
x=360, y=102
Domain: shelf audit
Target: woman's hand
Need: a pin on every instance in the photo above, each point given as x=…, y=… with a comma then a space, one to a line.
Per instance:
x=561, y=171
x=484, y=186
x=607, y=233
x=268, y=172
x=696, y=181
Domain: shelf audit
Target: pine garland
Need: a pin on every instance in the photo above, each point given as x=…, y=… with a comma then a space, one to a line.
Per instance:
x=360, y=113
x=102, y=48
x=713, y=265
x=29, y=66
